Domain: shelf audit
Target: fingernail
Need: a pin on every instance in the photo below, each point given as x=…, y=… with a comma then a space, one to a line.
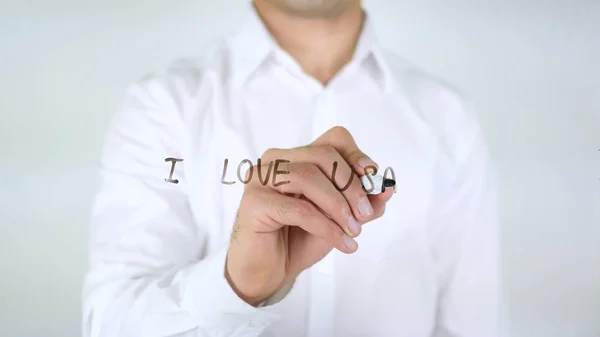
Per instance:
x=364, y=207
x=353, y=225
x=366, y=161
x=349, y=242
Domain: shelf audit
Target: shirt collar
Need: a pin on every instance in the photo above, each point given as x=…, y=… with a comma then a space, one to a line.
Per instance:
x=251, y=44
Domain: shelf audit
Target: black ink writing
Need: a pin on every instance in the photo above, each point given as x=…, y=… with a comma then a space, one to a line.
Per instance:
x=368, y=171
x=173, y=162
x=276, y=172
x=259, y=169
x=224, y=172
x=248, y=173
x=274, y=167
x=335, y=166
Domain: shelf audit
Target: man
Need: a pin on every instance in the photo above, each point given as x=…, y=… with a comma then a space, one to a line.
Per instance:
x=180, y=246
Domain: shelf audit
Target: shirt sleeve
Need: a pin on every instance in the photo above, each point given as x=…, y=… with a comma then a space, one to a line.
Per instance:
x=466, y=239
x=149, y=274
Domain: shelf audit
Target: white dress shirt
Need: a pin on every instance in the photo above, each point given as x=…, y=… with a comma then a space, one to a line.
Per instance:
x=429, y=267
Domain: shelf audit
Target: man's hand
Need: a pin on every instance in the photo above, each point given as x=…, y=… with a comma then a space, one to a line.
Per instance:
x=277, y=235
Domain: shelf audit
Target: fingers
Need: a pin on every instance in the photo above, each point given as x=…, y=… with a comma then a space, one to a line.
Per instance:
x=380, y=200
x=284, y=210
x=308, y=180
x=335, y=168
x=321, y=172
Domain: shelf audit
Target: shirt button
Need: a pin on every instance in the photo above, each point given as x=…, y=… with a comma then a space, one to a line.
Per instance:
x=255, y=324
x=256, y=327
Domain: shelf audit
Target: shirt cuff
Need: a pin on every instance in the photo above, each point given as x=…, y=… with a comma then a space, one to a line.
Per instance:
x=216, y=307
x=278, y=296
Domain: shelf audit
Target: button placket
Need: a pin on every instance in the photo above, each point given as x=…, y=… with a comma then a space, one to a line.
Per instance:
x=325, y=115
x=322, y=278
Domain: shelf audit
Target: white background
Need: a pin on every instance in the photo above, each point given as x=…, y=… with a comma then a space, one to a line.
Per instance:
x=531, y=67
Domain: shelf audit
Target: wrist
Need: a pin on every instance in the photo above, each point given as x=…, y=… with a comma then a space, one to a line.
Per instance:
x=253, y=288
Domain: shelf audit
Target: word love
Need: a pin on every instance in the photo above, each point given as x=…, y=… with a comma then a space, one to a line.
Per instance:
x=273, y=167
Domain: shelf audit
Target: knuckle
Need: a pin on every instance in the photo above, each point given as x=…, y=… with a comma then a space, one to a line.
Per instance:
x=326, y=151
x=359, y=193
x=302, y=208
x=269, y=153
x=281, y=210
x=331, y=232
x=308, y=172
x=339, y=131
x=355, y=154
x=342, y=205
x=287, y=188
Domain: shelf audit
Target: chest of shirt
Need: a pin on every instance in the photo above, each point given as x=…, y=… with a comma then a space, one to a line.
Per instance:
x=237, y=131
x=393, y=259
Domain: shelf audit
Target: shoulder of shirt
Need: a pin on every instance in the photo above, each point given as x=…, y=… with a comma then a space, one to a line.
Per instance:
x=182, y=83
x=442, y=107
